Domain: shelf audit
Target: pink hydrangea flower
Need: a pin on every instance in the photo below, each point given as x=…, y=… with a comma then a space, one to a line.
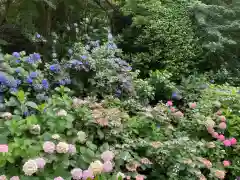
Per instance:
x=76, y=173
x=172, y=109
x=169, y=103
x=178, y=114
x=87, y=174
x=222, y=118
x=40, y=162
x=58, y=178
x=222, y=125
x=139, y=177
x=227, y=143
x=210, y=130
x=193, y=105
x=107, y=156
x=72, y=149
x=221, y=137
x=3, y=177
x=107, y=166
x=226, y=163
x=49, y=147
x=233, y=141
x=15, y=178
x=215, y=135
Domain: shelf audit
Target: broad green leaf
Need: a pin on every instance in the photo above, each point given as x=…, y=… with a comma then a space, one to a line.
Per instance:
x=32, y=104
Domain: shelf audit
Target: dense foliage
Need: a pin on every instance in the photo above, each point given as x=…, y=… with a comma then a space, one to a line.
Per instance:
x=119, y=89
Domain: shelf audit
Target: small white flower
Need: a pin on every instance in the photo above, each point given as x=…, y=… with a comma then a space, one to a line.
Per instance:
x=61, y=113
x=55, y=136
x=6, y=115
x=62, y=147
x=96, y=167
x=30, y=167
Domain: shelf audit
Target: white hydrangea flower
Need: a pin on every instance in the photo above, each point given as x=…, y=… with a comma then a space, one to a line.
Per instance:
x=30, y=167
x=96, y=167
x=62, y=147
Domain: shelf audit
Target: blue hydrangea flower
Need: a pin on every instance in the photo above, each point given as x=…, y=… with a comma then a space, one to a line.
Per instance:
x=37, y=87
x=111, y=46
x=17, y=61
x=45, y=84
x=84, y=57
x=17, y=70
x=12, y=83
x=16, y=54
x=29, y=80
x=13, y=90
x=36, y=57
x=29, y=60
x=26, y=113
x=38, y=36
x=54, y=67
x=18, y=81
x=3, y=78
x=76, y=62
x=62, y=82
x=67, y=81
x=33, y=75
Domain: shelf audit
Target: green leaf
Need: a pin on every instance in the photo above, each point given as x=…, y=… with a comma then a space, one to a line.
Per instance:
x=91, y=145
x=21, y=96
x=3, y=42
x=31, y=104
x=100, y=134
x=125, y=155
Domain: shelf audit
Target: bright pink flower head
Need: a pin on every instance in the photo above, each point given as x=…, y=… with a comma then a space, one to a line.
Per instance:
x=40, y=162
x=227, y=143
x=72, y=149
x=107, y=156
x=139, y=177
x=233, y=141
x=226, y=163
x=87, y=174
x=76, y=173
x=215, y=135
x=107, y=166
x=15, y=178
x=58, y=178
x=222, y=125
x=169, y=103
x=221, y=137
x=193, y=105
x=222, y=118
x=49, y=147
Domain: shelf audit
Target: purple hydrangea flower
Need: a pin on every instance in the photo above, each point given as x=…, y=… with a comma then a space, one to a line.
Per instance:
x=17, y=70
x=84, y=57
x=45, y=84
x=54, y=67
x=62, y=82
x=11, y=83
x=17, y=61
x=38, y=36
x=33, y=75
x=76, y=62
x=36, y=57
x=29, y=80
x=18, y=81
x=16, y=54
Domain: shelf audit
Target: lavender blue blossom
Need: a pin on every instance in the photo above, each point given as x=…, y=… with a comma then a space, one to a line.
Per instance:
x=17, y=70
x=18, y=82
x=76, y=62
x=38, y=36
x=3, y=78
x=37, y=87
x=45, y=84
x=62, y=82
x=13, y=90
x=33, y=75
x=54, y=67
x=84, y=57
x=29, y=80
x=16, y=55
x=17, y=61
x=12, y=83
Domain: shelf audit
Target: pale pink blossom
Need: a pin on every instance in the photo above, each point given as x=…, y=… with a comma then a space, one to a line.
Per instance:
x=215, y=135
x=210, y=129
x=15, y=178
x=72, y=149
x=3, y=177
x=140, y=177
x=222, y=118
x=220, y=174
x=58, y=178
x=221, y=137
x=219, y=112
x=222, y=125
x=107, y=166
x=87, y=174
x=76, y=173
x=178, y=114
x=193, y=105
x=226, y=163
x=49, y=147
x=227, y=143
x=40, y=163
x=107, y=156
x=233, y=141
x=172, y=109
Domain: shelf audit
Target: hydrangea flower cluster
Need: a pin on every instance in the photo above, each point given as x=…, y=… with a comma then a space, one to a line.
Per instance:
x=61, y=148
